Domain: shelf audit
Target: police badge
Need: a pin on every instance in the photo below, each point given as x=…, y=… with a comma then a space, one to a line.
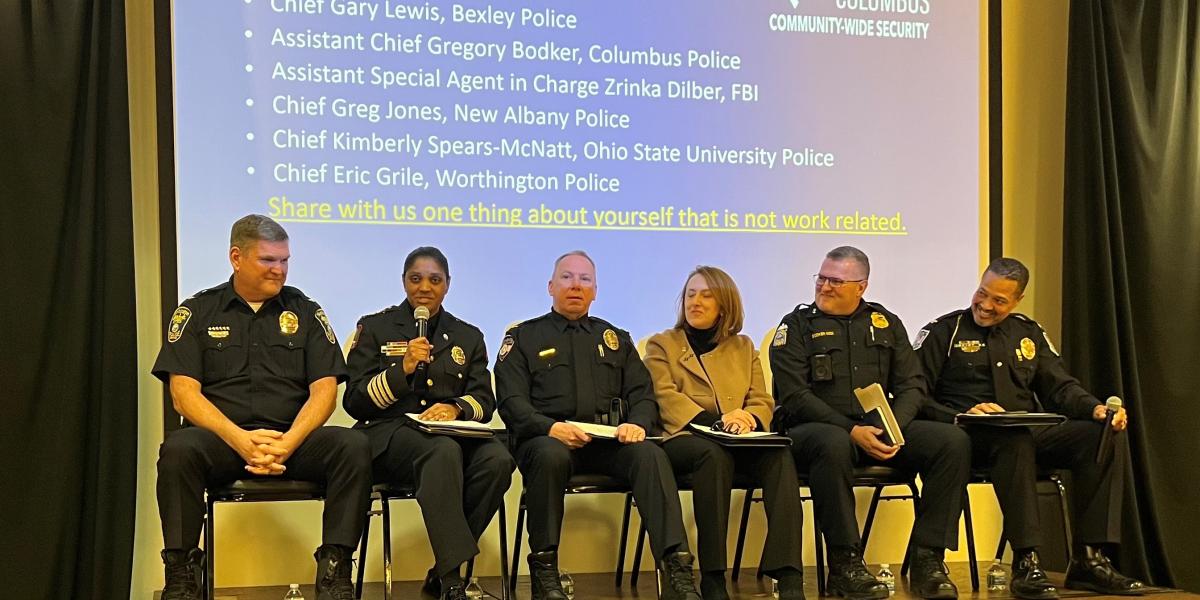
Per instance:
x=1028, y=348
x=610, y=340
x=458, y=355
x=289, y=323
x=879, y=320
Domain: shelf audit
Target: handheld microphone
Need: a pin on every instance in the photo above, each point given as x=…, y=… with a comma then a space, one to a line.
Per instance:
x=1105, y=447
x=421, y=315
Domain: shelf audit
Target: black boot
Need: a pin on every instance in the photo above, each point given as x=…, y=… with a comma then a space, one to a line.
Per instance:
x=185, y=574
x=712, y=585
x=675, y=580
x=452, y=585
x=1096, y=573
x=543, y=576
x=929, y=577
x=333, y=572
x=790, y=582
x=849, y=577
x=1029, y=581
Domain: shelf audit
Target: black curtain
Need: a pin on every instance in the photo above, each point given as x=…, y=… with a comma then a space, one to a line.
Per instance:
x=68, y=382
x=1131, y=283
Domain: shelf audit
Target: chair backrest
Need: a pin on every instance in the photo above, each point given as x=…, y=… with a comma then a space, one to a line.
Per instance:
x=764, y=357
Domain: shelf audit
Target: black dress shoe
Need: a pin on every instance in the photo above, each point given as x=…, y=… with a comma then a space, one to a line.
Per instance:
x=849, y=577
x=791, y=584
x=1029, y=581
x=712, y=585
x=929, y=577
x=1094, y=572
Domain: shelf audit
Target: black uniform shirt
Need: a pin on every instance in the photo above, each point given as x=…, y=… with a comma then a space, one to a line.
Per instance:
x=457, y=374
x=817, y=360
x=1012, y=364
x=254, y=367
x=552, y=369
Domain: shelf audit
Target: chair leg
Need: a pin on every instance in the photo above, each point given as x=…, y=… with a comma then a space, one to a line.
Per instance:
x=503, y=553
x=1000, y=548
x=624, y=540
x=1066, y=518
x=747, y=500
x=972, y=560
x=362, y=552
x=916, y=498
x=210, y=553
x=637, y=557
x=874, y=506
x=385, y=507
x=470, y=569
x=516, y=556
x=820, y=554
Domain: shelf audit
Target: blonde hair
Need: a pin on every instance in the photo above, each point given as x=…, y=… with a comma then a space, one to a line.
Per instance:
x=730, y=313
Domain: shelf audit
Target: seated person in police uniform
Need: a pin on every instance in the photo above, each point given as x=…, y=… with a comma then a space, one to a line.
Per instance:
x=986, y=359
x=569, y=366
x=819, y=355
x=442, y=376
x=706, y=374
x=253, y=367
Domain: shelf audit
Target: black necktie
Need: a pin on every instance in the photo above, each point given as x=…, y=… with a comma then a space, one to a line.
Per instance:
x=581, y=358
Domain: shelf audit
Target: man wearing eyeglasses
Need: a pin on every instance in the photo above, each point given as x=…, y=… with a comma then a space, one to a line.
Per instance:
x=820, y=353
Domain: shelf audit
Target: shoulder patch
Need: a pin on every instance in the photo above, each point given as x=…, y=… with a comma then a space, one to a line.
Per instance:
x=179, y=320
x=324, y=321
x=780, y=335
x=1050, y=344
x=506, y=346
x=921, y=335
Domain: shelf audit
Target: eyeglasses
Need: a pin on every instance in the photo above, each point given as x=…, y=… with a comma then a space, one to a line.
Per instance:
x=833, y=282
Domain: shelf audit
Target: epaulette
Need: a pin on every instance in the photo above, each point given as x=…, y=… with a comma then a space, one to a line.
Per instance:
x=805, y=309
x=288, y=290
x=953, y=313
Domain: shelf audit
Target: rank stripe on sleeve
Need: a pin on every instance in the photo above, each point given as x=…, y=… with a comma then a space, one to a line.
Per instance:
x=476, y=409
x=379, y=391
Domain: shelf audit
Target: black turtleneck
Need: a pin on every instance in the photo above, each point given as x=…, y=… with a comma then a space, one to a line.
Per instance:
x=702, y=341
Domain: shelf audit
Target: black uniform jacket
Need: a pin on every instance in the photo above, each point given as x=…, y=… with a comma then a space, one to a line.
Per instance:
x=255, y=367
x=817, y=360
x=379, y=393
x=536, y=376
x=1012, y=364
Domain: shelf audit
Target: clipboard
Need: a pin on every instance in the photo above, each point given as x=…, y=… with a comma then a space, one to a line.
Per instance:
x=741, y=440
x=1016, y=418
x=471, y=429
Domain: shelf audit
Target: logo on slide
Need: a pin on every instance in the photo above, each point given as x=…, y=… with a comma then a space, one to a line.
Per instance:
x=795, y=4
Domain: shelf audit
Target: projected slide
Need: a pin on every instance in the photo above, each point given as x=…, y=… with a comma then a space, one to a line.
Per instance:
x=656, y=135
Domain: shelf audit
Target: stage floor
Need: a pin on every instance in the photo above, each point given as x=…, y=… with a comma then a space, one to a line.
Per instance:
x=599, y=586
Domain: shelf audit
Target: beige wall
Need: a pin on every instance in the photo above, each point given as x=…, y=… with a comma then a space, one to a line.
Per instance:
x=1034, y=98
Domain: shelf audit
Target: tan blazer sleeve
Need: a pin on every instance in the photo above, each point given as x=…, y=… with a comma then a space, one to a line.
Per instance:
x=758, y=399
x=675, y=408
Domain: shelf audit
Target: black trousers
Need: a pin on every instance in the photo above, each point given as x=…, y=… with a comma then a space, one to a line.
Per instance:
x=939, y=452
x=711, y=468
x=192, y=458
x=460, y=483
x=547, y=463
x=1012, y=456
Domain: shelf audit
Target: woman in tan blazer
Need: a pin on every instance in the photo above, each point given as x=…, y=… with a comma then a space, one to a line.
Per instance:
x=704, y=372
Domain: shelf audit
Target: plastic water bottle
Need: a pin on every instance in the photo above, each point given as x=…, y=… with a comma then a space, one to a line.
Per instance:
x=997, y=577
x=887, y=578
x=293, y=593
x=473, y=591
x=775, y=589
x=567, y=583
